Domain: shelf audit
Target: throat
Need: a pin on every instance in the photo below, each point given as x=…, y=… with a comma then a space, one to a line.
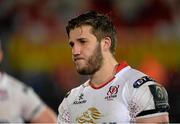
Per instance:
x=101, y=79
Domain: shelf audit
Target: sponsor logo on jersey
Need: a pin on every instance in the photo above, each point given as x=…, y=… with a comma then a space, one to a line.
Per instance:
x=160, y=97
x=141, y=81
x=80, y=100
x=3, y=94
x=112, y=92
x=89, y=116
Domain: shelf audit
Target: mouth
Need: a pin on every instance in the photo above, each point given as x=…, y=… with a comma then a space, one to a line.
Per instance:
x=77, y=59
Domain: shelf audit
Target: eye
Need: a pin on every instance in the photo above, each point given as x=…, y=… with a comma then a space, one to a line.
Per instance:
x=82, y=41
x=71, y=44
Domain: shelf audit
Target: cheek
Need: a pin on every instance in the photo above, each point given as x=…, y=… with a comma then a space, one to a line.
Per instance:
x=87, y=52
x=91, y=50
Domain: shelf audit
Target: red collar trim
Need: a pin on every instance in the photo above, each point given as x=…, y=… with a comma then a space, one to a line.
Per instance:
x=118, y=69
x=122, y=65
x=94, y=87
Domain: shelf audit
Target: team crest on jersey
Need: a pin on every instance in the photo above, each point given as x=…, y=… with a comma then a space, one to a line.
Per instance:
x=3, y=94
x=89, y=116
x=112, y=92
x=80, y=99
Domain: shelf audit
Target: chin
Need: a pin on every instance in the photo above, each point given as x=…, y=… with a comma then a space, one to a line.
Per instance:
x=83, y=71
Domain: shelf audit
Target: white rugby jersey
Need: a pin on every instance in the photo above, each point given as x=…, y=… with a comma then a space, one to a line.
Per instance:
x=17, y=101
x=129, y=95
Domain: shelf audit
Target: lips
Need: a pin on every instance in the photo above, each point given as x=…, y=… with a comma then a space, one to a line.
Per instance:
x=76, y=59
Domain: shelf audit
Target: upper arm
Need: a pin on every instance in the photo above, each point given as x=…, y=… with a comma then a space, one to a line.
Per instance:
x=149, y=103
x=31, y=104
x=34, y=109
x=160, y=105
x=157, y=119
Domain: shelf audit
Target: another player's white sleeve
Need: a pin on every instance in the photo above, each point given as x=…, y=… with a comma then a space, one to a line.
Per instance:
x=147, y=99
x=64, y=113
x=31, y=103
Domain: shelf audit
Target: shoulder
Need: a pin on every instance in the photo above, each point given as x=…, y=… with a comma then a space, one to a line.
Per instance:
x=70, y=96
x=140, y=81
x=15, y=85
x=75, y=91
x=137, y=83
x=12, y=82
x=133, y=80
x=144, y=94
x=138, y=87
x=136, y=79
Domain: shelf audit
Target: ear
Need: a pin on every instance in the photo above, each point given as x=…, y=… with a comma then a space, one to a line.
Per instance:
x=106, y=43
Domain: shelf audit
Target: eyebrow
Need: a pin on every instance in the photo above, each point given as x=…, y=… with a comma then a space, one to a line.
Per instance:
x=79, y=39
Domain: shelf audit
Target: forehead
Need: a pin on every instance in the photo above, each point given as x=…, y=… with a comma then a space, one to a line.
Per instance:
x=81, y=32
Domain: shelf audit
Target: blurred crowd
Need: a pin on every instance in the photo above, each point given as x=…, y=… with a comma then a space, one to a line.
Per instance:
x=34, y=40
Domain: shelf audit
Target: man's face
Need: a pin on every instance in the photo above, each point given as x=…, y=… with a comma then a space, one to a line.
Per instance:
x=86, y=50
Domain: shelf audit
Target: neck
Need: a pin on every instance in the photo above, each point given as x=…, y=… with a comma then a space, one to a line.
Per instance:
x=105, y=74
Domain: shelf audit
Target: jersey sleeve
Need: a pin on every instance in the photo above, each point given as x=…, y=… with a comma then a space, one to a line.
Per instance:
x=32, y=105
x=64, y=112
x=147, y=99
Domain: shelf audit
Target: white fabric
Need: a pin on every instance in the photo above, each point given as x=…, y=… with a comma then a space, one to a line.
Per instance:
x=17, y=101
x=88, y=105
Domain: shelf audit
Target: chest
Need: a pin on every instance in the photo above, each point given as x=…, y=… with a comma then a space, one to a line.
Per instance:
x=98, y=106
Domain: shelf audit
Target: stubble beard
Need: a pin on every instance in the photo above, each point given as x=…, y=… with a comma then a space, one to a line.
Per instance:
x=94, y=62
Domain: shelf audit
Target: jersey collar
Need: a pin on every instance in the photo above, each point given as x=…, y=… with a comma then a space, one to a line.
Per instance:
x=120, y=67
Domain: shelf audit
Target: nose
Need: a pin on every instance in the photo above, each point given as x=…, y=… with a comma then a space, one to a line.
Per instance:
x=76, y=50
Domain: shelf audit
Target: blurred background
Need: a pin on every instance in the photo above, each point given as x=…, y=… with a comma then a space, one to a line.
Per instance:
x=36, y=52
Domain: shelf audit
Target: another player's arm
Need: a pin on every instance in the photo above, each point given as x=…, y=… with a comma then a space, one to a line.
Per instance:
x=46, y=116
x=34, y=110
